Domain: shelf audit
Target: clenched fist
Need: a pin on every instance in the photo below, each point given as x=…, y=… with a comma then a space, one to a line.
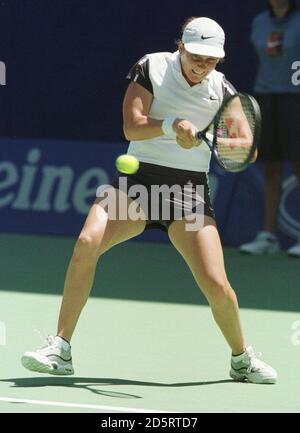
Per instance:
x=185, y=133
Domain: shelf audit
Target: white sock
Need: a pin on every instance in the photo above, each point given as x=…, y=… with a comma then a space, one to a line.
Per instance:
x=62, y=344
x=238, y=358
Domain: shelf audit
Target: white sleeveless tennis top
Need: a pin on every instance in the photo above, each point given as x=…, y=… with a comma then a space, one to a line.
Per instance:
x=160, y=73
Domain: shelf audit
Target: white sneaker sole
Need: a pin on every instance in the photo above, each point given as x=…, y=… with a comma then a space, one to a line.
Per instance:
x=34, y=362
x=295, y=255
x=245, y=378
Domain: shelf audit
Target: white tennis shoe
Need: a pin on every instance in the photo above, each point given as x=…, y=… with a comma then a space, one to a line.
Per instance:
x=53, y=358
x=264, y=243
x=294, y=251
x=251, y=369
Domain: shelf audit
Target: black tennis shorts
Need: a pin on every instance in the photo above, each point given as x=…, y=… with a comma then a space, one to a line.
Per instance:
x=170, y=193
x=280, y=137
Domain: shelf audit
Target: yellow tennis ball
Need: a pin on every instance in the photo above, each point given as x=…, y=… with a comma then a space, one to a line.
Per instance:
x=127, y=164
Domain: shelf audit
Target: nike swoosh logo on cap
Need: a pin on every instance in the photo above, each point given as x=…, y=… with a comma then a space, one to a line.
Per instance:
x=207, y=37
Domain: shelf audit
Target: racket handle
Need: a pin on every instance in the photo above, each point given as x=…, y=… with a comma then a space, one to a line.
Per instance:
x=207, y=137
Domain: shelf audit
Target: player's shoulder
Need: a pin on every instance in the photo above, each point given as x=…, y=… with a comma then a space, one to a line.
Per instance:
x=158, y=63
x=150, y=69
x=159, y=55
x=155, y=59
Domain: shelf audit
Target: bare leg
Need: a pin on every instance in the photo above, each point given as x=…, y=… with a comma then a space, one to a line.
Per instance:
x=202, y=252
x=273, y=179
x=98, y=235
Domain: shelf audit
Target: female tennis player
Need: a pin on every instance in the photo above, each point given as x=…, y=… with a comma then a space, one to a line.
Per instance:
x=169, y=98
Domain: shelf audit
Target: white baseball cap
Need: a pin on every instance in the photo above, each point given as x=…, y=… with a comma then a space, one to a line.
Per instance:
x=205, y=37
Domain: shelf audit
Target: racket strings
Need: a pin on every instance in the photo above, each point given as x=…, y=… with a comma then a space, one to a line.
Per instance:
x=234, y=134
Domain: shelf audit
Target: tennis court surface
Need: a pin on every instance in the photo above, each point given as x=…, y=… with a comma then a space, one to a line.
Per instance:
x=146, y=340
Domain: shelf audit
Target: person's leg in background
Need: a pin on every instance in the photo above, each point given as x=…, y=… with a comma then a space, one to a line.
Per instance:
x=272, y=193
x=294, y=251
x=270, y=156
x=280, y=141
x=296, y=168
x=289, y=135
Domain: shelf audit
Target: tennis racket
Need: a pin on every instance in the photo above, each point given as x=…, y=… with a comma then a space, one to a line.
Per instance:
x=234, y=133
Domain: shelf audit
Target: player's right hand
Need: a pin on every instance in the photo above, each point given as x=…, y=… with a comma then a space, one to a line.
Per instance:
x=185, y=133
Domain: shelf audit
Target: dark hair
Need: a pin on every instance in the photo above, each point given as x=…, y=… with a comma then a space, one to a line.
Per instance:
x=187, y=21
x=292, y=7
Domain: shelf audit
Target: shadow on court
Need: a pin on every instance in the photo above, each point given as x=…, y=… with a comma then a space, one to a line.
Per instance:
x=147, y=272
x=88, y=383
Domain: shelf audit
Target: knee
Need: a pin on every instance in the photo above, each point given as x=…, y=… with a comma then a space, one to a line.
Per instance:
x=218, y=291
x=87, y=246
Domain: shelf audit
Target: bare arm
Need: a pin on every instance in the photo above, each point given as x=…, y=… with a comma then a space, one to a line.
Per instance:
x=137, y=124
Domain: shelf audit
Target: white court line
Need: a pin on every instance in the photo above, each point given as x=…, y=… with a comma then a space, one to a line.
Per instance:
x=78, y=405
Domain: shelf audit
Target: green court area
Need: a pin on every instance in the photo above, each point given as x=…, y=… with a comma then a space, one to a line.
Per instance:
x=146, y=340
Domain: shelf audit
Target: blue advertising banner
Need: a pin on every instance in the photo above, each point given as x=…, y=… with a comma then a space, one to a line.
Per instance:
x=47, y=187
